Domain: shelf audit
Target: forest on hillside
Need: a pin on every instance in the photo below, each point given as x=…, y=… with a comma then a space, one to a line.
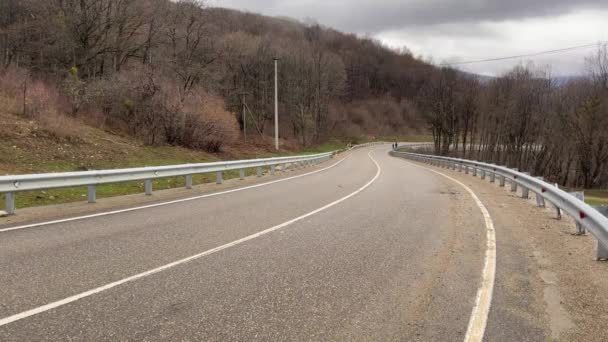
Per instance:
x=181, y=73
x=177, y=72
x=526, y=120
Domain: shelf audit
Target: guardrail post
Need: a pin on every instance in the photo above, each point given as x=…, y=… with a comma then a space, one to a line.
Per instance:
x=10, y=203
x=259, y=171
x=242, y=174
x=493, y=176
x=525, y=193
x=188, y=181
x=219, y=177
x=148, y=187
x=474, y=171
x=483, y=174
x=466, y=169
x=91, y=194
x=459, y=167
x=273, y=169
x=513, y=186
x=602, y=250
x=514, y=183
x=580, y=230
x=540, y=200
x=501, y=181
x=558, y=209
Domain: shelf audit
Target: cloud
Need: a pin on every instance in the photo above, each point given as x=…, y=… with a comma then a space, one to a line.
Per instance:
x=457, y=30
x=369, y=16
x=457, y=43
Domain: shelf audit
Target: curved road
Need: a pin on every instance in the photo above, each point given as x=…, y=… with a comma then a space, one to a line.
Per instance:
x=371, y=248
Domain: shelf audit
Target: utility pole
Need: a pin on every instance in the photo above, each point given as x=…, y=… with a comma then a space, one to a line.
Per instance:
x=243, y=95
x=244, y=119
x=276, y=103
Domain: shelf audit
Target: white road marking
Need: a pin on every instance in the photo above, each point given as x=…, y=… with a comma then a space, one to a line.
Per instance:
x=114, y=212
x=53, y=305
x=483, y=301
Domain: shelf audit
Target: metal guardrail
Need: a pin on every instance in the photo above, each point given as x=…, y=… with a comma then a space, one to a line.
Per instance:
x=10, y=185
x=585, y=215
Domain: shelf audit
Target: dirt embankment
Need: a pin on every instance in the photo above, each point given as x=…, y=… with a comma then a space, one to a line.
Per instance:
x=62, y=144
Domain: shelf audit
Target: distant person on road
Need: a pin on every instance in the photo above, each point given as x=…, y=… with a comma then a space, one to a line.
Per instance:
x=396, y=145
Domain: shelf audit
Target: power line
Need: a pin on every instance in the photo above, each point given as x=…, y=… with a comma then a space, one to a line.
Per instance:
x=586, y=46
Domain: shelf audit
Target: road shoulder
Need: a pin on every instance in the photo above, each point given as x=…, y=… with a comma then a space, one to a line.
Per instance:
x=548, y=285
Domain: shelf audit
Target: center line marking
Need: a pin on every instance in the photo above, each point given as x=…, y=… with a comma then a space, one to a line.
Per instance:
x=53, y=305
x=479, y=317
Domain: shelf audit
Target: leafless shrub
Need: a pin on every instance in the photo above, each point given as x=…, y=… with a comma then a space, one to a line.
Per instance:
x=24, y=95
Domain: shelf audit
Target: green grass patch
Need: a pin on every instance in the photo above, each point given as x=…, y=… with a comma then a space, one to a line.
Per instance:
x=596, y=197
x=28, y=199
x=408, y=138
x=28, y=148
x=327, y=147
x=596, y=201
x=597, y=193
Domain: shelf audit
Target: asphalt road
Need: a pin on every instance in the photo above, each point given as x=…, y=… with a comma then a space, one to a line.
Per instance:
x=371, y=249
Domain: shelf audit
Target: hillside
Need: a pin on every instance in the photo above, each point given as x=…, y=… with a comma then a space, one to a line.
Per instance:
x=178, y=72
x=63, y=144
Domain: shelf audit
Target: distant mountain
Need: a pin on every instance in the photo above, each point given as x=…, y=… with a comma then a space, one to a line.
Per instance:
x=561, y=80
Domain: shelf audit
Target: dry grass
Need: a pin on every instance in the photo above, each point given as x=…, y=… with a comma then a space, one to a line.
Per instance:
x=56, y=143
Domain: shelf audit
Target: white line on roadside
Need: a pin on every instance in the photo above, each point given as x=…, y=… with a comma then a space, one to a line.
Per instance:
x=114, y=212
x=53, y=305
x=479, y=317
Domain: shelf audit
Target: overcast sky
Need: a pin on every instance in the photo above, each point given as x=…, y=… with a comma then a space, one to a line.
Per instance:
x=460, y=30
